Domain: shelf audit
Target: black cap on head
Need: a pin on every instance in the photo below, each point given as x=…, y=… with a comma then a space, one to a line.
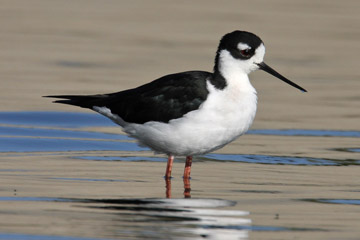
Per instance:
x=231, y=40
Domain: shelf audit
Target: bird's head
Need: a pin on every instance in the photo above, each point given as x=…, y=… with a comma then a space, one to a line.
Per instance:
x=244, y=52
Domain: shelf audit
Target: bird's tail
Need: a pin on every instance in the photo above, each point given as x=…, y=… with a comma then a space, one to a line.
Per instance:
x=85, y=101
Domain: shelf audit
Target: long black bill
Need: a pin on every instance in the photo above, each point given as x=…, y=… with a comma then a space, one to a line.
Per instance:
x=268, y=69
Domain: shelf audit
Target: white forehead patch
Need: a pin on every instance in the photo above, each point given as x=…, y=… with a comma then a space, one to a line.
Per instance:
x=243, y=46
x=259, y=54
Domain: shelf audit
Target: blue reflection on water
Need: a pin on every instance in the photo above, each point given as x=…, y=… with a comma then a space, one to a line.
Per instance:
x=340, y=201
x=20, y=144
x=57, y=133
x=262, y=159
x=305, y=132
x=353, y=149
x=55, y=119
x=121, y=158
x=266, y=159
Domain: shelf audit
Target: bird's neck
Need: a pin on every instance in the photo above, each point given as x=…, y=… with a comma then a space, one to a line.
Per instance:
x=218, y=80
x=229, y=72
x=229, y=76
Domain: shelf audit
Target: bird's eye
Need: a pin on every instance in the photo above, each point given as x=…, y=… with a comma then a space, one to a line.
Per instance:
x=245, y=52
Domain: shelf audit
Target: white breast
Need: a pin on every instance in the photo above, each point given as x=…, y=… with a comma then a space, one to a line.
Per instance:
x=225, y=115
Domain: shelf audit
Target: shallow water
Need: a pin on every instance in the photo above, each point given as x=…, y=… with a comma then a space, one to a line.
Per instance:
x=166, y=218
x=61, y=170
x=306, y=132
x=59, y=131
x=54, y=119
x=71, y=176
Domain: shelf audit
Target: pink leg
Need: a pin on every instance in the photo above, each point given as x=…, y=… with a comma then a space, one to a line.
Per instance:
x=169, y=166
x=187, y=167
x=168, y=187
x=187, y=188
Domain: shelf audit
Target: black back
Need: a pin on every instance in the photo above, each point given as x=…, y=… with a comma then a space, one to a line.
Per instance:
x=161, y=100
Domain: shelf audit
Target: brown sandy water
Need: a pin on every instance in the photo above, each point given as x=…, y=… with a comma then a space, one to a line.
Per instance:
x=75, y=176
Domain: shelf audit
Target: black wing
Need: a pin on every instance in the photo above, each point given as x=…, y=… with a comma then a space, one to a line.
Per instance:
x=166, y=98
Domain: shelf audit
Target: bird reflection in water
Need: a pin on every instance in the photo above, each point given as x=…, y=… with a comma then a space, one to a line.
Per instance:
x=187, y=188
x=186, y=177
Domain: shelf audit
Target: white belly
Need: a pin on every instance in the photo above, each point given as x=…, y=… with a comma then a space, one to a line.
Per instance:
x=224, y=116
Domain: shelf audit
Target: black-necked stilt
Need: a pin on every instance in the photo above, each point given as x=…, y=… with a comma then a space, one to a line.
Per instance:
x=190, y=113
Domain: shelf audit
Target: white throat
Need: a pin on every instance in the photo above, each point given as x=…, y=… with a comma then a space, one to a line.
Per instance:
x=236, y=71
x=233, y=73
